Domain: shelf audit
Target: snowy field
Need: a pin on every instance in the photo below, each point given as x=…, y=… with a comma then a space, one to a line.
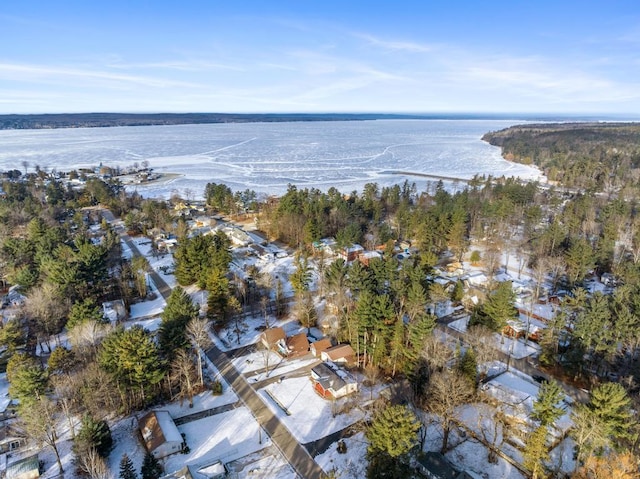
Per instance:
x=266, y=157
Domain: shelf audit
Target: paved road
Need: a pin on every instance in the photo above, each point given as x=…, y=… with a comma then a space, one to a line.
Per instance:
x=297, y=455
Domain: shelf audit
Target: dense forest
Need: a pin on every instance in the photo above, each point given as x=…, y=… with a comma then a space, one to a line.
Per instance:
x=592, y=156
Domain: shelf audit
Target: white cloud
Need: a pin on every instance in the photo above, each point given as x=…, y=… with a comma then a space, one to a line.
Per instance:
x=180, y=65
x=40, y=73
x=395, y=45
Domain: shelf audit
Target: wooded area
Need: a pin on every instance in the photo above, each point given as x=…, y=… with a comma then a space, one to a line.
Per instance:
x=586, y=227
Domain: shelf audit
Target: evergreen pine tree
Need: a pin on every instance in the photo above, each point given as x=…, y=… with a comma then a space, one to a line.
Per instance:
x=611, y=404
x=536, y=453
x=179, y=311
x=545, y=407
x=218, y=299
x=468, y=366
x=94, y=434
x=393, y=431
x=499, y=307
x=126, y=468
x=151, y=468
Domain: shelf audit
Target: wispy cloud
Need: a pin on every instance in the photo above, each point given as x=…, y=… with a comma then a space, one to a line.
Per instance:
x=395, y=45
x=180, y=65
x=40, y=73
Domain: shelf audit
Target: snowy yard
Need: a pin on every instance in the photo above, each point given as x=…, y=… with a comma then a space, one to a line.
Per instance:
x=311, y=417
x=226, y=437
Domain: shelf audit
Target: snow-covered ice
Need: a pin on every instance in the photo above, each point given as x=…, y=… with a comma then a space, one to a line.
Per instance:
x=266, y=157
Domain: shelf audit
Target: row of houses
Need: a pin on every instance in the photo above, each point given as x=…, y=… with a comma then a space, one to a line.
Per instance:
x=329, y=378
x=275, y=339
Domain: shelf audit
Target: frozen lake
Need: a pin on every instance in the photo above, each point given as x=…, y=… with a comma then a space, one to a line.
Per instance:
x=266, y=157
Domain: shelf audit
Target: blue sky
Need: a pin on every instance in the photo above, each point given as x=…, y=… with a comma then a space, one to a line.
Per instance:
x=419, y=56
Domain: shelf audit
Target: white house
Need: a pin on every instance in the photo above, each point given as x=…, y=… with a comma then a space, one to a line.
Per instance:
x=332, y=382
x=160, y=434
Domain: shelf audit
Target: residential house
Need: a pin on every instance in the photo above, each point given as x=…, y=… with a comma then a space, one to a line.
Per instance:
x=160, y=434
x=238, y=236
x=326, y=245
x=274, y=339
x=351, y=253
x=475, y=278
x=320, y=346
x=297, y=345
x=514, y=329
x=341, y=353
x=332, y=382
x=10, y=440
x=26, y=468
x=367, y=256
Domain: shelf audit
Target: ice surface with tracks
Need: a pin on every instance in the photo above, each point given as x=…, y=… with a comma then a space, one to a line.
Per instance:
x=266, y=157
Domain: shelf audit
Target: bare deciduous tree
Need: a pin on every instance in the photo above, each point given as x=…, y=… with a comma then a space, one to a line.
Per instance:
x=436, y=354
x=93, y=464
x=65, y=388
x=198, y=335
x=480, y=338
x=47, y=311
x=86, y=337
x=183, y=372
x=447, y=391
x=39, y=419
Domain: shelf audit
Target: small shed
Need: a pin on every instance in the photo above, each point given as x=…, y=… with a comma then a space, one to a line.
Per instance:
x=160, y=434
x=434, y=465
x=27, y=468
x=114, y=311
x=320, y=346
x=341, y=353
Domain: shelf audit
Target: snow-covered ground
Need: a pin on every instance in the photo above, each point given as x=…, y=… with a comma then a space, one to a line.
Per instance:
x=352, y=464
x=226, y=436
x=310, y=417
x=517, y=348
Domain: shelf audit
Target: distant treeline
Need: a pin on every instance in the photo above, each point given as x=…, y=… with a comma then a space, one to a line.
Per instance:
x=91, y=120
x=585, y=155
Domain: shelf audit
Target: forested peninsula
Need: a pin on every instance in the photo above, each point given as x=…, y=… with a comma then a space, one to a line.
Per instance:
x=593, y=156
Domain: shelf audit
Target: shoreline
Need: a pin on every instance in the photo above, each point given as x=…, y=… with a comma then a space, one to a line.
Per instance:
x=129, y=180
